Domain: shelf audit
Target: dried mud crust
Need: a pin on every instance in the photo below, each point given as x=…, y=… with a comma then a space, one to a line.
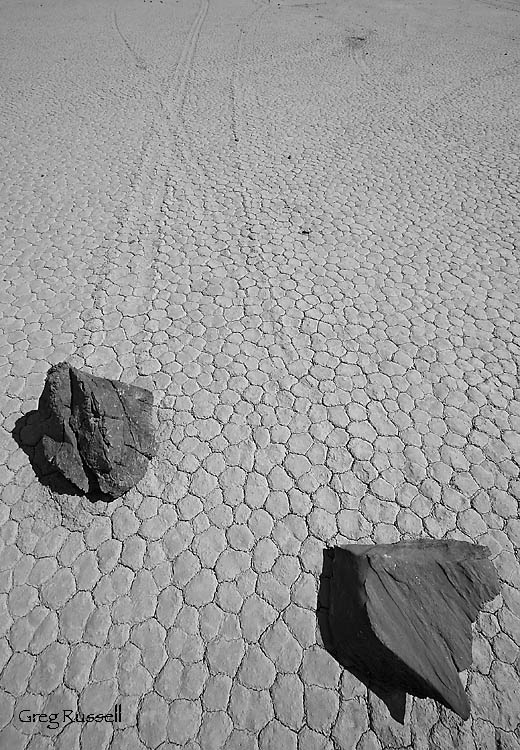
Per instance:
x=142, y=218
x=311, y=259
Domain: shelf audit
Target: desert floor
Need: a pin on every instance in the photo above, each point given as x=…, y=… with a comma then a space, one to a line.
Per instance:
x=296, y=224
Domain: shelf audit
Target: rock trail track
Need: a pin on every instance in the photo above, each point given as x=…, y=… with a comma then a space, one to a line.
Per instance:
x=296, y=223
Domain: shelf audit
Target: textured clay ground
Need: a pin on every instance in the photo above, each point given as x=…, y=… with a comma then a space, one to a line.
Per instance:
x=296, y=224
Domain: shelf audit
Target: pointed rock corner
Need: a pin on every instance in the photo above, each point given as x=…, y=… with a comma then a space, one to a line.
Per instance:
x=400, y=616
x=98, y=433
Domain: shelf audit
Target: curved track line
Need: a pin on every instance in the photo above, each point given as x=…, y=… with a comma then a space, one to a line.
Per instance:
x=178, y=88
x=139, y=218
x=500, y=6
x=250, y=24
x=233, y=87
x=140, y=63
x=473, y=82
x=178, y=82
x=174, y=94
x=251, y=247
x=423, y=117
x=159, y=133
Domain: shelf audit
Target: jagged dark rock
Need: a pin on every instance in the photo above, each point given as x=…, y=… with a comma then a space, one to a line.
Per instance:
x=98, y=433
x=400, y=616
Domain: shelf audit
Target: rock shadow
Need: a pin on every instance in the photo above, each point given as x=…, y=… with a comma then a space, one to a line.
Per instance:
x=394, y=700
x=27, y=433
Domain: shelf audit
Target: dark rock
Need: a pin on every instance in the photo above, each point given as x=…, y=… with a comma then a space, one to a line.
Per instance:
x=400, y=616
x=98, y=433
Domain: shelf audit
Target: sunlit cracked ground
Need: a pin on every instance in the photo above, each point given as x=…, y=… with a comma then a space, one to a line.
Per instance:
x=296, y=224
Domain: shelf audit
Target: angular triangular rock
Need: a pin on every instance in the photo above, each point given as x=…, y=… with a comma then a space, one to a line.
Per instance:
x=99, y=433
x=400, y=616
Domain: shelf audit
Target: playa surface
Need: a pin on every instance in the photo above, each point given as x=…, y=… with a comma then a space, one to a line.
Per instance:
x=296, y=224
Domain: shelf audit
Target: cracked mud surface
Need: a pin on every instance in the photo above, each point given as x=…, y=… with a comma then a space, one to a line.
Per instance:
x=296, y=224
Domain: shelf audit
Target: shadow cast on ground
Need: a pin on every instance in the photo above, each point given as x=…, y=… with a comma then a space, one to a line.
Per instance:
x=28, y=433
x=394, y=700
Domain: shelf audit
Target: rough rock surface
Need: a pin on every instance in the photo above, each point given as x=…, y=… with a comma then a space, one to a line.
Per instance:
x=99, y=433
x=401, y=615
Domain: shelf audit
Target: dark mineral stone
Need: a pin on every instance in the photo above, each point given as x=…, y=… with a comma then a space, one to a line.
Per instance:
x=400, y=616
x=98, y=433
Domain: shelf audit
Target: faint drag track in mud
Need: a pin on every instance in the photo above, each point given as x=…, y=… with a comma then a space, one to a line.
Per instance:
x=252, y=245
x=173, y=102
x=177, y=83
x=452, y=95
x=237, y=122
x=434, y=116
x=239, y=155
x=356, y=45
x=439, y=118
x=233, y=87
x=140, y=63
x=140, y=221
x=347, y=42
x=501, y=5
x=256, y=251
x=173, y=97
